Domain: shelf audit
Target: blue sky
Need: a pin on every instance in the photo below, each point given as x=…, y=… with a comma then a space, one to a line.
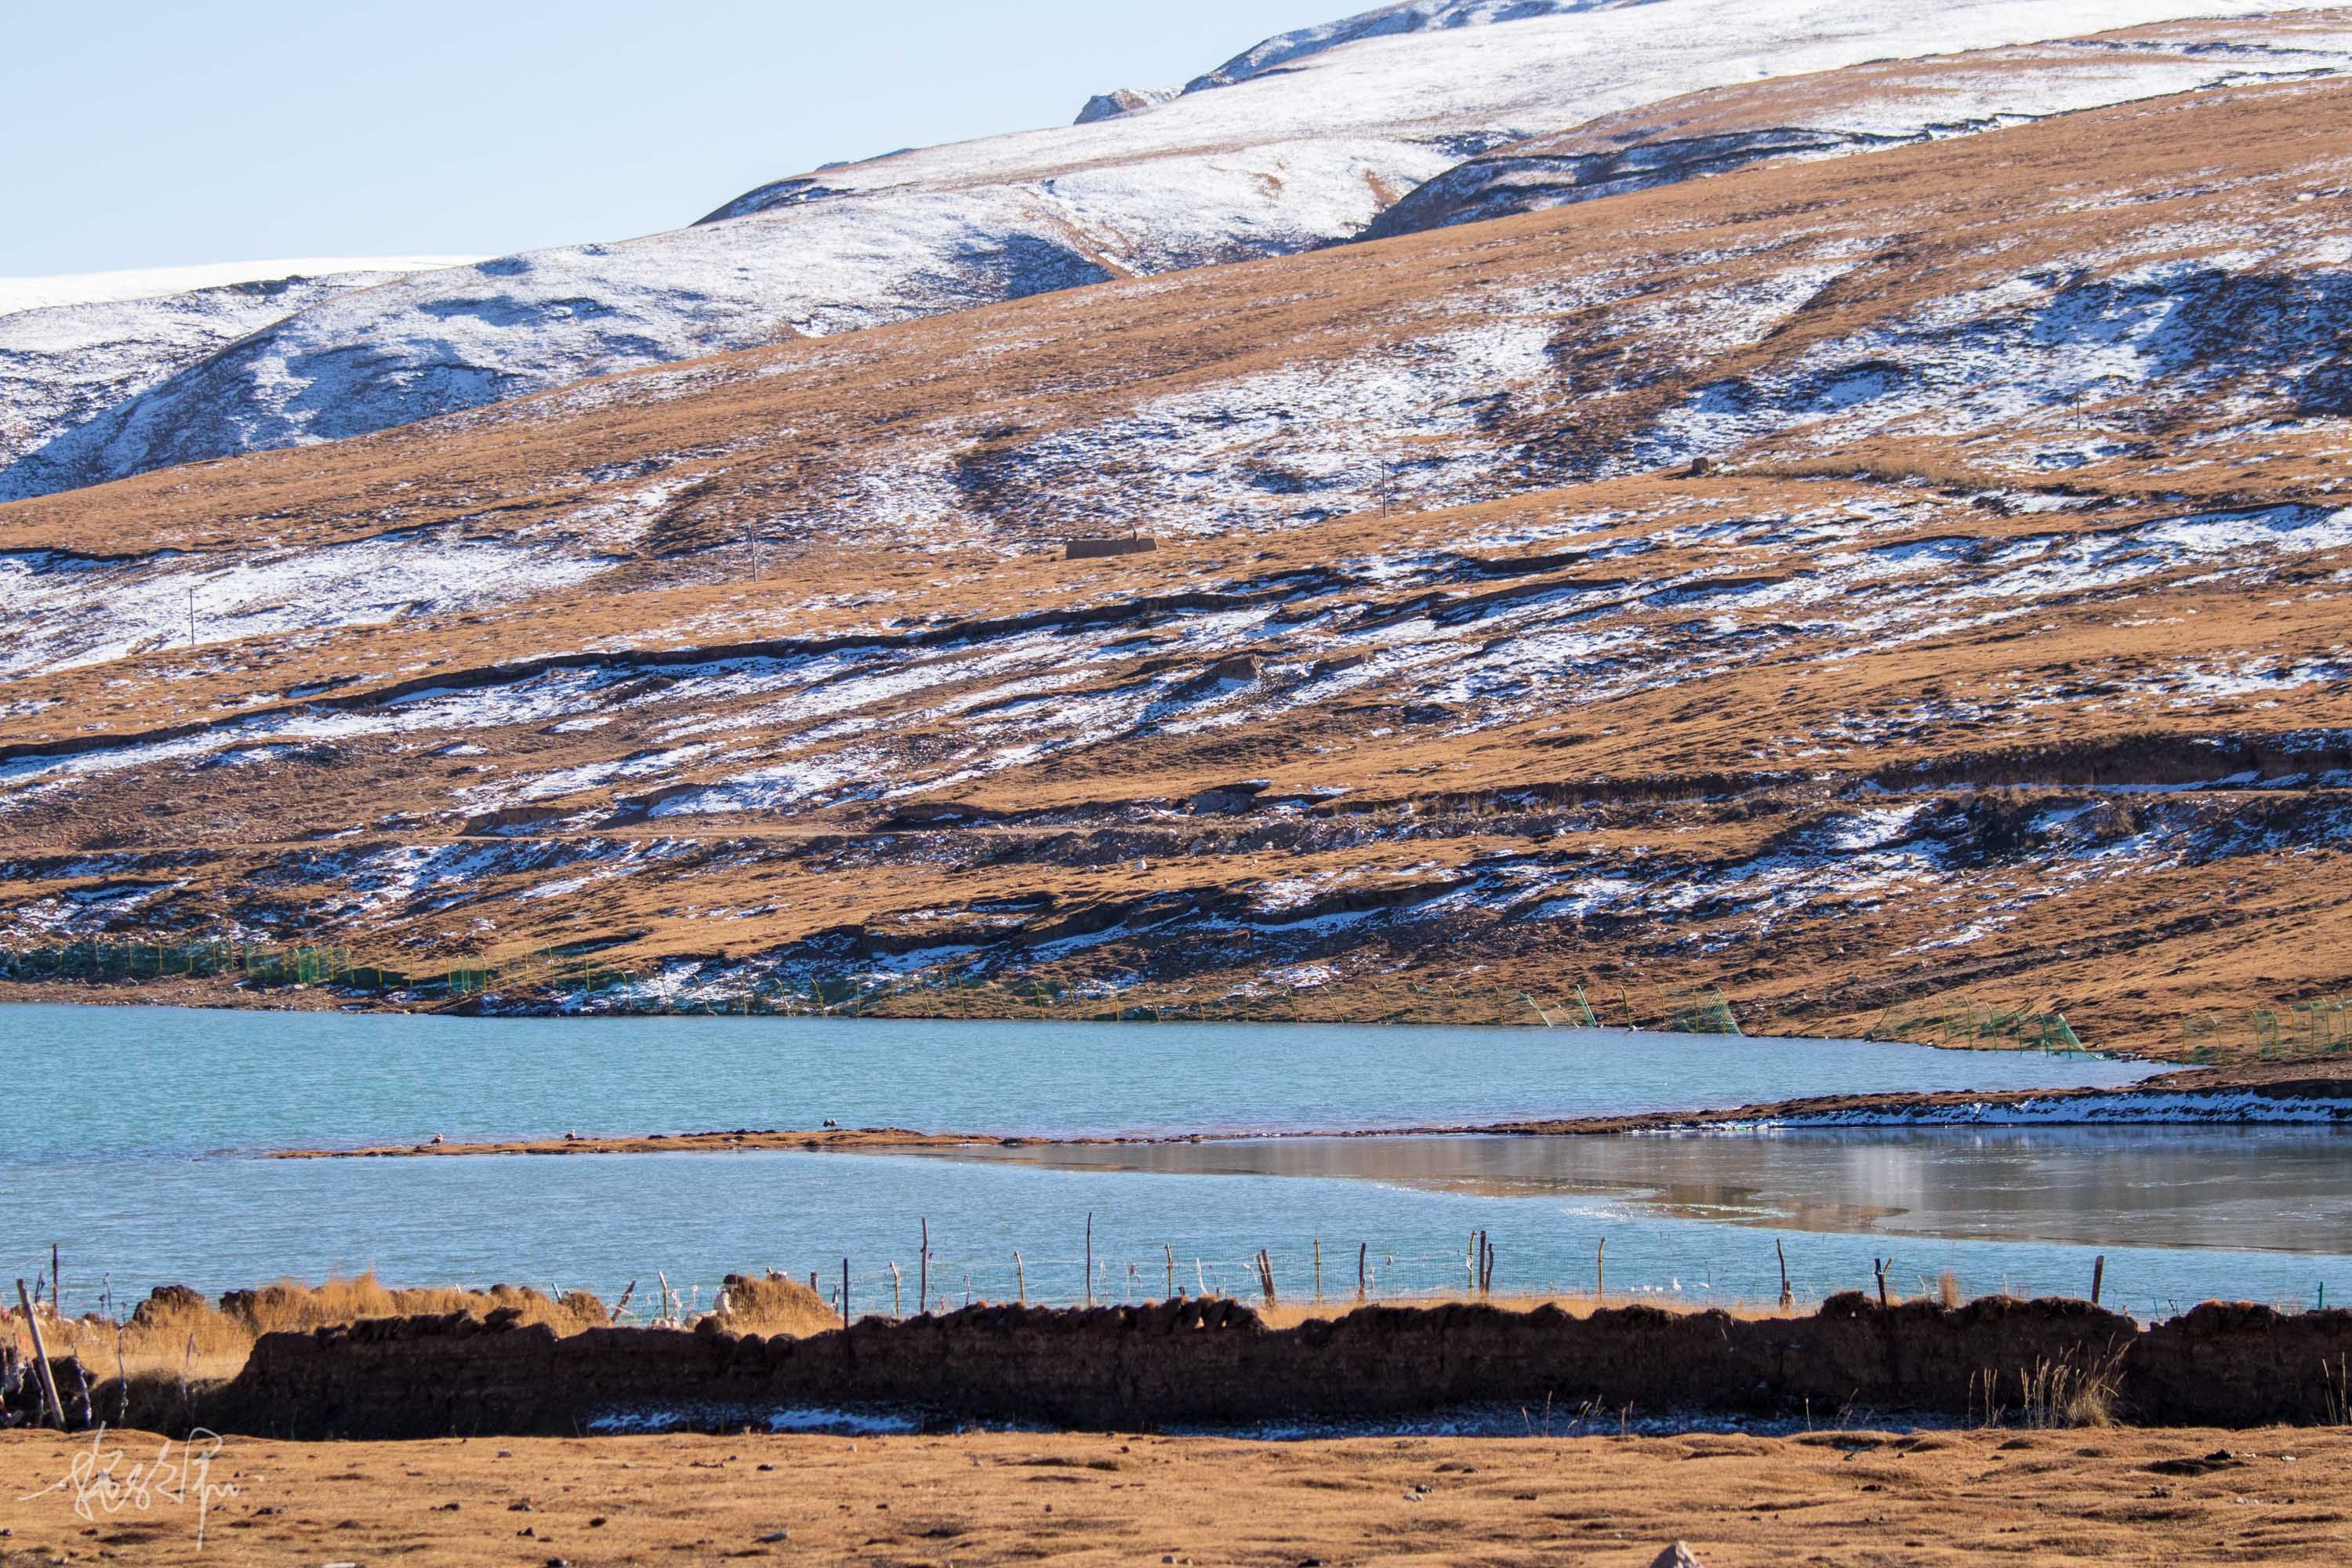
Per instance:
x=161, y=132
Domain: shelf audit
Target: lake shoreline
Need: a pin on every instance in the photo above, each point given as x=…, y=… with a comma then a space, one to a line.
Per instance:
x=2284, y=1094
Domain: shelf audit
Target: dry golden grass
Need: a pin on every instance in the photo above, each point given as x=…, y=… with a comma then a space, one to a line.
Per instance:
x=176, y=1334
x=774, y=1304
x=1896, y=467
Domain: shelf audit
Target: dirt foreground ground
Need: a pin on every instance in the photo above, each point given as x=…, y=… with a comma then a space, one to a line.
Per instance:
x=2179, y=1497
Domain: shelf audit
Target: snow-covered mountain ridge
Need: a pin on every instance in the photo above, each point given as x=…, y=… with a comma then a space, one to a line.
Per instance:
x=1304, y=142
x=1868, y=108
x=1411, y=17
x=71, y=348
x=163, y=282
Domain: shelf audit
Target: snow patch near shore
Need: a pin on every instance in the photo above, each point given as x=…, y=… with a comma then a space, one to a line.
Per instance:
x=2152, y=1108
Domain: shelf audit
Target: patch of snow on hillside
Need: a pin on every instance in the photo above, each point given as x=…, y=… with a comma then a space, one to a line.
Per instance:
x=1309, y=441
x=66, y=611
x=2034, y=348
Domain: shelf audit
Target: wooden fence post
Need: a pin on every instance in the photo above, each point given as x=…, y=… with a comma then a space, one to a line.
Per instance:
x=56, y=1408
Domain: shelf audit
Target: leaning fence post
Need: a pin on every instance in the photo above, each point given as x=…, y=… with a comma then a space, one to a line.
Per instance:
x=1363, y=1250
x=1020, y=1278
x=1171, y=1271
x=923, y=1269
x=1788, y=1296
x=895, y=1309
x=41, y=1357
x=1600, y=1277
x=2098, y=1276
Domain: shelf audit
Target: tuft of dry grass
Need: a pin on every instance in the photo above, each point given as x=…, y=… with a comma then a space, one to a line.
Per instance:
x=2059, y=1394
x=175, y=1334
x=774, y=1304
x=290, y=1304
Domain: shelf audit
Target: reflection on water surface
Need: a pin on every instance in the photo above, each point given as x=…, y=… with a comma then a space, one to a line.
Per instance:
x=2282, y=1189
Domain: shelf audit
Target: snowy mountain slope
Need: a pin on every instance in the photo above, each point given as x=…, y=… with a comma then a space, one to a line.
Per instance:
x=1866, y=108
x=1998, y=661
x=1409, y=16
x=157, y=282
x=75, y=347
x=1283, y=160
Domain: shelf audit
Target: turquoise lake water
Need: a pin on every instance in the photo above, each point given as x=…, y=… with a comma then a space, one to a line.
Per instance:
x=141, y=1165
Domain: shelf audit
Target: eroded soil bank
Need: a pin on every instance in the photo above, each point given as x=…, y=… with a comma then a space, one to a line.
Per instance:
x=1181, y=1364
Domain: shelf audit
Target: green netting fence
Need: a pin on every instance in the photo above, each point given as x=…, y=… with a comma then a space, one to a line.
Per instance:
x=1965, y=1021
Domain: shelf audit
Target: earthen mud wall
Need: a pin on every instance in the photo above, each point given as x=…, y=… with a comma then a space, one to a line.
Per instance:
x=1215, y=1362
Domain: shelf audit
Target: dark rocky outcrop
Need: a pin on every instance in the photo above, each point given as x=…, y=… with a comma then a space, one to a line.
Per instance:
x=1119, y=101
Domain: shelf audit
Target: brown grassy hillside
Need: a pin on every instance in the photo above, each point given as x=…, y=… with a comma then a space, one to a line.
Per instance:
x=1894, y=590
